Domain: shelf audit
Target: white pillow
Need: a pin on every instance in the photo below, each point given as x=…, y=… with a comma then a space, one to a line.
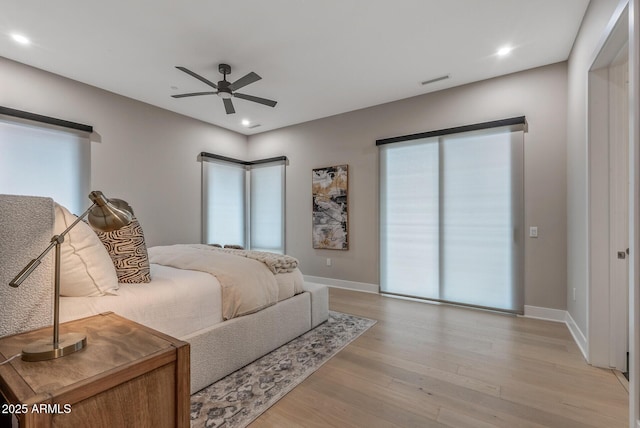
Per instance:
x=86, y=270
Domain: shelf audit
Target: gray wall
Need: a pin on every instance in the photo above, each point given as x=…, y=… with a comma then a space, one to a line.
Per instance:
x=140, y=153
x=539, y=94
x=593, y=25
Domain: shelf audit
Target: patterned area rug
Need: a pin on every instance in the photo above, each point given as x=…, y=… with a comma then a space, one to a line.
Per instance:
x=241, y=397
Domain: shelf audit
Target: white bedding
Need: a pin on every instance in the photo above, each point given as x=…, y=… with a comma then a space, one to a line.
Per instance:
x=176, y=302
x=247, y=285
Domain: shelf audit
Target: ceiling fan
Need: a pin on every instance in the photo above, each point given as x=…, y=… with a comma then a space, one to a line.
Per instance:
x=225, y=89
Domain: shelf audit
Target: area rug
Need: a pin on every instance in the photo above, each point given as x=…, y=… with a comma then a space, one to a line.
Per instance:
x=241, y=397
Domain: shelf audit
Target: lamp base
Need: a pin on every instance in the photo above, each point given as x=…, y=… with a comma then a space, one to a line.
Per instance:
x=43, y=349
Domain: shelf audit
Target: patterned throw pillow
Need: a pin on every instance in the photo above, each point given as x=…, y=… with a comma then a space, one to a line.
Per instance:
x=128, y=251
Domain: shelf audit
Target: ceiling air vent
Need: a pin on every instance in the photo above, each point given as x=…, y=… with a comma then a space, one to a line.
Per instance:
x=437, y=79
x=254, y=126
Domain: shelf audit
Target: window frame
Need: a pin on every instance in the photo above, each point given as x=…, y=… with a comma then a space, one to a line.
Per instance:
x=249, y=211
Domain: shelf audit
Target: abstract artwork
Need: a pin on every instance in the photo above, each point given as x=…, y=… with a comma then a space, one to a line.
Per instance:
x=330, y=214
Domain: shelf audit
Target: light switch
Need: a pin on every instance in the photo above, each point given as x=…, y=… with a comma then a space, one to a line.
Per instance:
x=533, y=232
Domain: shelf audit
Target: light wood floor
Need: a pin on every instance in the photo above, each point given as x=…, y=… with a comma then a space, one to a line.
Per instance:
x=426, y=365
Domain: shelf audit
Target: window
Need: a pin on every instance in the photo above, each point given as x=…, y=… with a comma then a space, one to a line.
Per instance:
x=243, y=202
x=451, y=212
x=267, y=207
x=224, y=202
x=42, y=160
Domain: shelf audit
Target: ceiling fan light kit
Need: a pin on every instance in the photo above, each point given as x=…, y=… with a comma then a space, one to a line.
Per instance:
x=225, y=89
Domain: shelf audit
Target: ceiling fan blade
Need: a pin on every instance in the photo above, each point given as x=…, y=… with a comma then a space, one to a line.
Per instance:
x=193, y=94
x=197, y=76
x=264, y=101
x=228, y=105
x=244, y=81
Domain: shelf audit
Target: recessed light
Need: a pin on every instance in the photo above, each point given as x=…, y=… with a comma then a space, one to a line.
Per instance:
x=245, y=122
x=20, y=39
x=503, y=51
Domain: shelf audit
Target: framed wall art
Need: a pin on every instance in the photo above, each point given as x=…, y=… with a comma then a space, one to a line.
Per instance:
x=330, y=219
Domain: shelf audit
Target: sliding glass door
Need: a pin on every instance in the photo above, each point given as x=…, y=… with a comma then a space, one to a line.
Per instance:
x=451, y=212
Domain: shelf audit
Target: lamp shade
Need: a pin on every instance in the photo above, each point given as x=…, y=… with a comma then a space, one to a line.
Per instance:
x=105, y=216
x=121, y=205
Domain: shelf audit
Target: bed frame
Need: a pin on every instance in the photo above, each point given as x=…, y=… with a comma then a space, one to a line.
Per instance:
x=216, y=351
x=225, y=347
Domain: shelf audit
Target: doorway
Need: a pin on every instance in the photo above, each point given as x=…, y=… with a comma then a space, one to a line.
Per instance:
x=608, y=166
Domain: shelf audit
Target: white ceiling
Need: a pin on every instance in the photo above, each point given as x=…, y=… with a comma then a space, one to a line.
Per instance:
x=316, y=58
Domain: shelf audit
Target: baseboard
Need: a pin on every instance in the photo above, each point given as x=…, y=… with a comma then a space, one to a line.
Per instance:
x=578, y=336
x=341, y=283
x=557, y=315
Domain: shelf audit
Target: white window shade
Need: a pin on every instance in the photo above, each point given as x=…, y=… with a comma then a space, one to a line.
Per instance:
x=451, y=218
x=481, y=219
x=267, y=207
x=409, y=218
x=45, y=161
x=223, y=203
x=244, y=202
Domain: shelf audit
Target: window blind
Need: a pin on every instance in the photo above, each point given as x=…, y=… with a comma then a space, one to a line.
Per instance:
x=267, y=207
x=451, y=212
x=243, y=202
x=223, y=198
x=45, y=161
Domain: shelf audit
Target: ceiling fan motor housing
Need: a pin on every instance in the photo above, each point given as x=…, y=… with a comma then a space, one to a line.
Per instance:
x=223, y=89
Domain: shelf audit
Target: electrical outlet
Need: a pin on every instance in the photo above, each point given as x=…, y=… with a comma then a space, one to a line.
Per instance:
x=533, y=232
x=328, y=262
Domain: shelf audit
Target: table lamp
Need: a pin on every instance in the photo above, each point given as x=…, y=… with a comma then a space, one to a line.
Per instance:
x=104, y=216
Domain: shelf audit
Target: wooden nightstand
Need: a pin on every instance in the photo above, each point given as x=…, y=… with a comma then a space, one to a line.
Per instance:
x=128, y=376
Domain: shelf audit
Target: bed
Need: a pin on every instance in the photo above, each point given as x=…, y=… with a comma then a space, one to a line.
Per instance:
x=182, y=298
